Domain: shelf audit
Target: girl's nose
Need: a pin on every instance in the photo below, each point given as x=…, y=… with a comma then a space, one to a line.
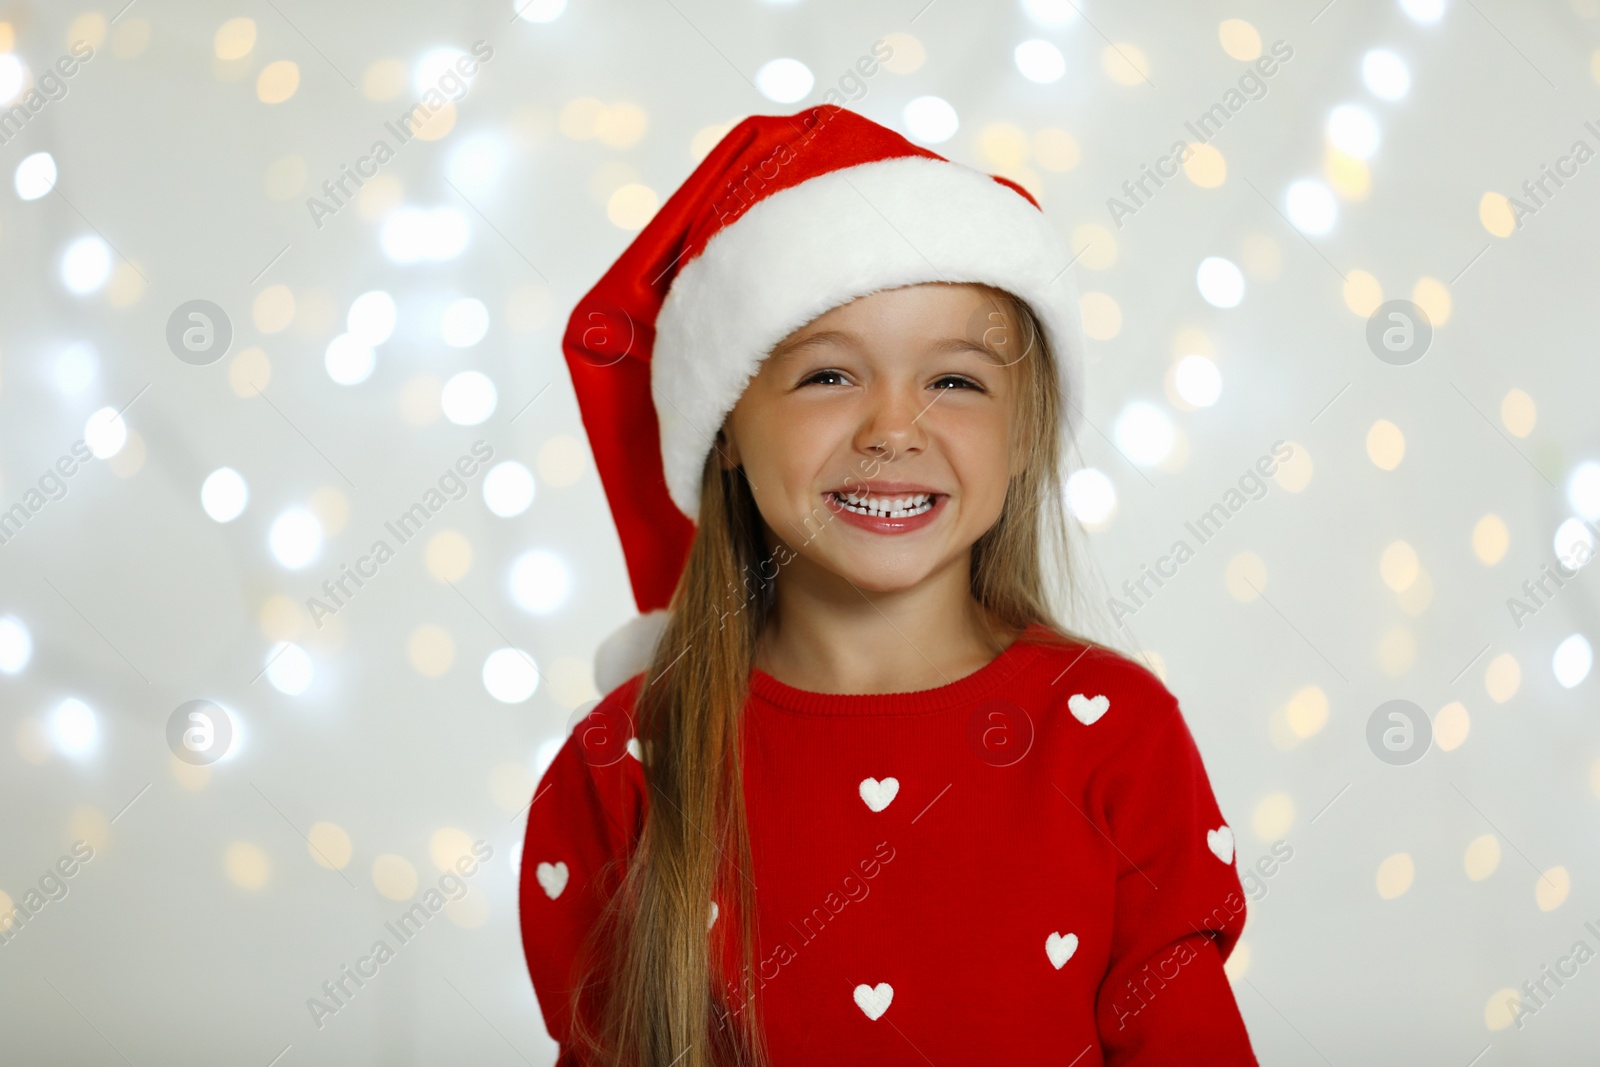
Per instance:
x=892, y=423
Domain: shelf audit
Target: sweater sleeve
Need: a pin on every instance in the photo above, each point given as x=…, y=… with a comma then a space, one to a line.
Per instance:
x=1179, y=905
x=585, y=813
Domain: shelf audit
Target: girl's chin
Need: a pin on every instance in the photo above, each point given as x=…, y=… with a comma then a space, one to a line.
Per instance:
x=880, y=573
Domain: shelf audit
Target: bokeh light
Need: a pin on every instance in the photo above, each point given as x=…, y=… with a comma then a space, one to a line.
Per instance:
x=349, y=361
x=16, y=644
x=1385, y=74
x=35, y=176
x=224, y=494
x=540, y=581
x=784, y=80
x=295, y=538
x=510, y=675
x=508, y=489
x=930, y=120
x=86, y=265
x=74, y=728
x=289, y=668
x=465, y=323
x=371, y=318
x=1572, y=661
x=1220, y=282
x=468, y=398
x=1040, y=61
x=1311, y=206
x=1144, y=433
x=105, y=433
x=1091, y=496
x=1197, y=380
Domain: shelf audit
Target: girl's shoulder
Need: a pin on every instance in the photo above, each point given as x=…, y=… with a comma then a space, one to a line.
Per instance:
x=1076, y=658
x=603, y=753
x=1093, y=690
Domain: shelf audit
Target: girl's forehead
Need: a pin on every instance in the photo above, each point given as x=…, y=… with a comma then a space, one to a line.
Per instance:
x=943, y=317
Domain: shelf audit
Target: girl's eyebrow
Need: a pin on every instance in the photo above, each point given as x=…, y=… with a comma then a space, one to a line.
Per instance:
x=944, y=346
x=784, y=351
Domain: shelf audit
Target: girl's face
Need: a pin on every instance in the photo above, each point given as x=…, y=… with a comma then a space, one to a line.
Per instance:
x=876, y=438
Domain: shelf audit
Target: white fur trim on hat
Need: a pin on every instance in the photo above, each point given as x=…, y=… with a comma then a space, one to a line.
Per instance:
x=627, y=651
x=812, y=247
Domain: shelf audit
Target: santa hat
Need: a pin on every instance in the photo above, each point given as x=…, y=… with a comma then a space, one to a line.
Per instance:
x=788, y=217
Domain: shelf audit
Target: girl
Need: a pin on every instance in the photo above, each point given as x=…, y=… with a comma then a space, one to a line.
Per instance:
x=866, y=801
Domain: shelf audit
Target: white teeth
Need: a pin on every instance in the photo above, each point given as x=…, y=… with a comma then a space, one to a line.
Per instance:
x=897, y=507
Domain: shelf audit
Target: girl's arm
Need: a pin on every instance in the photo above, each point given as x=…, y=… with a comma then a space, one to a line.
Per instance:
x=585, y=814
x=1179, y=906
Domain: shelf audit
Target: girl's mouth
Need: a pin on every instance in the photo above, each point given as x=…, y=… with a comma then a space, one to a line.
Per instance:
x=904, y=506
x=887, y=513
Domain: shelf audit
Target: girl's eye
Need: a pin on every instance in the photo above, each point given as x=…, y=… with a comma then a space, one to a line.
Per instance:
x=960, y=381
x=819, y=376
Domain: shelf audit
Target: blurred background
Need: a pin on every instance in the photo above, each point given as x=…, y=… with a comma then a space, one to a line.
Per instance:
x=240, y=343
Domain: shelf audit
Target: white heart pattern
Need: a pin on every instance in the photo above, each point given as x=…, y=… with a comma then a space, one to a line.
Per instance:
x=1088, y=710
x=553, y=877
x=713, y=921
x=1220, y=842
x=878, y=794
x=635, y=750
x=1060, y=949
x=874, y=1000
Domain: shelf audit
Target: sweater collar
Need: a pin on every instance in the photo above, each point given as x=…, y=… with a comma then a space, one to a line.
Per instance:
x=965, y=690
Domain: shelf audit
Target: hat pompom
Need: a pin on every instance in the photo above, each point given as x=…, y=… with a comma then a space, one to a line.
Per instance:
x=627, y=651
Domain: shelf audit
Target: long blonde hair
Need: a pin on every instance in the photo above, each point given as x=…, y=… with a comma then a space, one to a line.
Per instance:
x=663, y=1000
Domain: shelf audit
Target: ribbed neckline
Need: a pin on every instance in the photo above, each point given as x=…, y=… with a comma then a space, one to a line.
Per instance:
x=964, y=690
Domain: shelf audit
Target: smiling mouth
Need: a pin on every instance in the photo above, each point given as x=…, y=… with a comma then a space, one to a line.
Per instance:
x=902, y=506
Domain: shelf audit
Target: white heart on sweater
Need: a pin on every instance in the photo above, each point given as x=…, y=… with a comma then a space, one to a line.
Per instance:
x=878, y=794
x=553, y=877
x=1220, y=842
x=635, y=750
x=1088, y=710
x=1060, y=949
x=713, y=920
x=874, y=1000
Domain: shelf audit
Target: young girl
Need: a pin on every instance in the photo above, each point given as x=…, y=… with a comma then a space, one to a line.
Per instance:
x=861, y=799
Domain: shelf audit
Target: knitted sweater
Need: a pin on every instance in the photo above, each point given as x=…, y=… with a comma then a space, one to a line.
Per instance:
x=1026, y=865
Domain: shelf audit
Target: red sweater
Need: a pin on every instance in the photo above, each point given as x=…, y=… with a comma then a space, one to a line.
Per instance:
x=1026, y=865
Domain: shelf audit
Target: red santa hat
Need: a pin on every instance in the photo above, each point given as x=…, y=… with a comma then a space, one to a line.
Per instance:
x=788, y=217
